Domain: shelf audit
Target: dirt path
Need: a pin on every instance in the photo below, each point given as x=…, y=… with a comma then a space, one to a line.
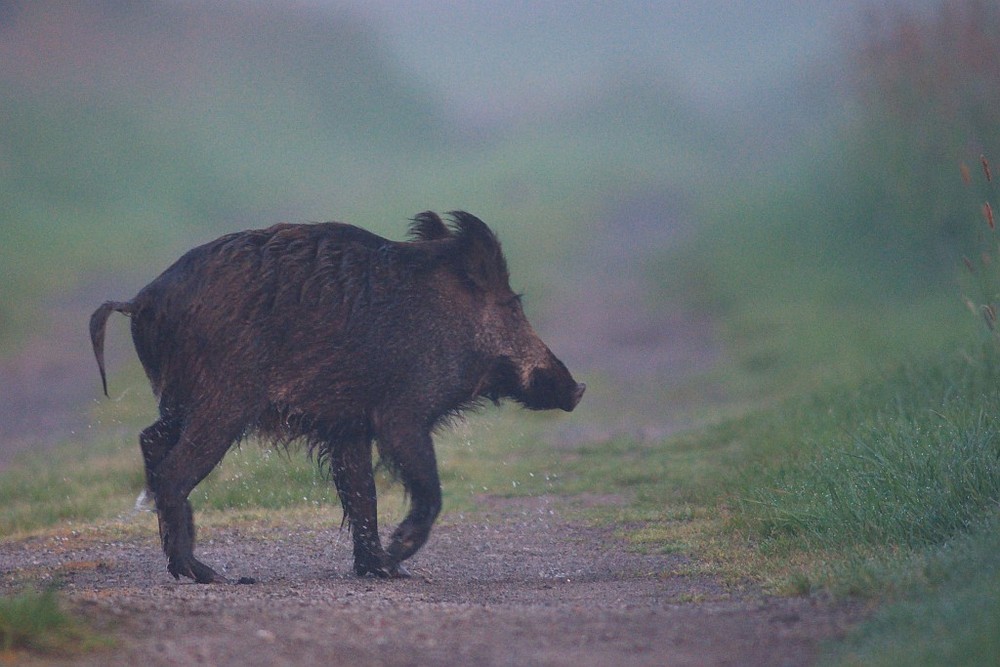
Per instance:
x=517, y=583
x=514, y=585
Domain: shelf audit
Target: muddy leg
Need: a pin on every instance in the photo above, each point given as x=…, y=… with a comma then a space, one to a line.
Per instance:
x=412, y=453
x=351, y=466
x=200, y=447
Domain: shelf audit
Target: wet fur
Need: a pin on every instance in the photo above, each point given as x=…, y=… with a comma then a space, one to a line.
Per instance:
x=331, y=336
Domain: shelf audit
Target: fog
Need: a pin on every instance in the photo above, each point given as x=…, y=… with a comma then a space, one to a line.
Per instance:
x=502, y=60
x=588, y=134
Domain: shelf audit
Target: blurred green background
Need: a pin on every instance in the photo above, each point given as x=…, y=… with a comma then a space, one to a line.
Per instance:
x=709, y=207
x=790, y=174
x=760, y=226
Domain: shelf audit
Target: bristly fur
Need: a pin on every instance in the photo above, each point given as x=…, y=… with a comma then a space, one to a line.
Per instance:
x=285, y=430
x=467, y=226
x=333, y=339
x=428, y=226
x=482, y=256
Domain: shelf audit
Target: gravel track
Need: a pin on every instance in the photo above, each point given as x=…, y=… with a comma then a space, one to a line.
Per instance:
x=515, y=584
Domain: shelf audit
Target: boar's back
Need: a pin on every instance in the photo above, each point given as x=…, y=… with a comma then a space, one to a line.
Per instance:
x=276, y=304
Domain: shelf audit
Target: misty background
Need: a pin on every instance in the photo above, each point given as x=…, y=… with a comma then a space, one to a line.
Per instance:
x=769, y=188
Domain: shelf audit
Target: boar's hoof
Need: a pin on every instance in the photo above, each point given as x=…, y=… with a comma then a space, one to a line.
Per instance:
x=400, y=572
x=396, y=571
x=407, y=540
x=195, y=569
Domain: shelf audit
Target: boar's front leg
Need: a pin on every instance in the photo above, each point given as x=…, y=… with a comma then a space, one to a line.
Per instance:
x=411, y=453
x=351, y=467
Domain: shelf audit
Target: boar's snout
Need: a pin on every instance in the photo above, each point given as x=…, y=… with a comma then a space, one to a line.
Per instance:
x=552, y=386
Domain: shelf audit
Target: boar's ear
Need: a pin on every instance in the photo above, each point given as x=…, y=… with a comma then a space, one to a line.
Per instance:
x=479, y=255
x=427, y=226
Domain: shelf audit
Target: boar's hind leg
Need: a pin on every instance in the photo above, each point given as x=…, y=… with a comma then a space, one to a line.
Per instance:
x=351, y=467
x=156, y=441
x=412, y=455
x=201, y=445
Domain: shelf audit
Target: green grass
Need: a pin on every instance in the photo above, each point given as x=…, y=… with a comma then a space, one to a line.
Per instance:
x=801, y=299
x=881, y=469
x=946, y=613
x=35, y=621
x=102, y=483
x=889, y=490
x=493, y=452
x=837, y=282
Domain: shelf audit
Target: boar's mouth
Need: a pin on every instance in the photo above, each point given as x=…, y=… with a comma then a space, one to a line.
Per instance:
x=548, y=388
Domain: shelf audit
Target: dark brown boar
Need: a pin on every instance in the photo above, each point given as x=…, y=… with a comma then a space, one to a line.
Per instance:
x=329, y=334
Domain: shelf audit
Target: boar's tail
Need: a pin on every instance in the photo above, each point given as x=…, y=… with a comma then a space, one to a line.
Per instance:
x=98, y=321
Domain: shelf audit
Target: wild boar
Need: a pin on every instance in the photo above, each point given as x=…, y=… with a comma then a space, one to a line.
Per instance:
x=332, y=335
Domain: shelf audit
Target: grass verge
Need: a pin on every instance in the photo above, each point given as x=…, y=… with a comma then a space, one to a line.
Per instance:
x=889, y=490
x=945, y=613
x=35, y=621
x=876, y=472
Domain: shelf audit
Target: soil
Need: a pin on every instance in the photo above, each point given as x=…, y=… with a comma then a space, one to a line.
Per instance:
x=517, y=582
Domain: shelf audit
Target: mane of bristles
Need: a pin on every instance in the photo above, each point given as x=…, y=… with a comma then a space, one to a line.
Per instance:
x=428, y=226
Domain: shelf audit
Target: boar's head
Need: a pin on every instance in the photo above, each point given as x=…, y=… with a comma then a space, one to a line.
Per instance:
x=519, y=365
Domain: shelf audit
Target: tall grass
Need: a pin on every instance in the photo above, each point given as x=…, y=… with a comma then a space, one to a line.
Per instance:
x=888, y=489
x=895, y=466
